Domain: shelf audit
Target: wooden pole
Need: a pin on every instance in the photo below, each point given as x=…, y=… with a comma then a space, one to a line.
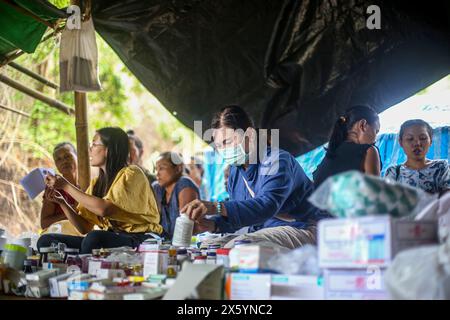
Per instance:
x=82, y=133
x=81, y=126
x=33, y=75
x=37, y=95
x=14, y=110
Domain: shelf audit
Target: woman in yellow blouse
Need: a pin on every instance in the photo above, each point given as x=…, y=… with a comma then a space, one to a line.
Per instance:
x=119, y=201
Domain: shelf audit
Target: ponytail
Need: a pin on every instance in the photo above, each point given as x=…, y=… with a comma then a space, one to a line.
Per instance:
x=344, y=124
x=338, y=136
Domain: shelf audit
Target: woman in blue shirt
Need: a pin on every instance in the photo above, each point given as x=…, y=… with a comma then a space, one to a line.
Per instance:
x=268, y=189
x=172, y=189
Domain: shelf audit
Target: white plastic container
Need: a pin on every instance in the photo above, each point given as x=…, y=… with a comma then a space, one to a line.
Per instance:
x=24, y=242
x=183, y=231
x=14, y=256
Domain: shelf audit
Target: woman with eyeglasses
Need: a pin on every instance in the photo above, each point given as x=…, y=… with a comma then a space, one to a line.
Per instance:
x=173, y=189
x=119, y=201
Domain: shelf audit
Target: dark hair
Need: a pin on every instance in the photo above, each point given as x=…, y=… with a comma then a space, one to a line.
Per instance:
x=233, y=117
x=171, y=156
x=345, y=123
x=415, y=122
x=64, y=144
x=116, y=141
x=136, y=140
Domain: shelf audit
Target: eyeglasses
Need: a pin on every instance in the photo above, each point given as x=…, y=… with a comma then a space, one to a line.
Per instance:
x=93, y=144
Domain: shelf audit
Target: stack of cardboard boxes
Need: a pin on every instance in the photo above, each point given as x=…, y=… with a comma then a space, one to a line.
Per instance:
x=354, y=253
x=265, y=286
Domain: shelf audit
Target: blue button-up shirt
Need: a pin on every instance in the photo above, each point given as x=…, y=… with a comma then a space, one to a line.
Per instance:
x=280, y=186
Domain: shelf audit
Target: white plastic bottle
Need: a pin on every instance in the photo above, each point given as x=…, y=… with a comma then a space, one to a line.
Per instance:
x=183, y=231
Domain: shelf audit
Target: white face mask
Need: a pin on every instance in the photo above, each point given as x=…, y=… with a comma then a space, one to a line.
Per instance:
x=234, y=155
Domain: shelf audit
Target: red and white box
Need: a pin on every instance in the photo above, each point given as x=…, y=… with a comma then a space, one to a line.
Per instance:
x=355, y=284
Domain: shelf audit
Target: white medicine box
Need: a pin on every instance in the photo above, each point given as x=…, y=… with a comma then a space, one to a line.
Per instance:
x=366, y=241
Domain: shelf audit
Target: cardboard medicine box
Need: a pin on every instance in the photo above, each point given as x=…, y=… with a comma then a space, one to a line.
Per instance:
x=297, y=287
x=375, y=240
x=356, y=284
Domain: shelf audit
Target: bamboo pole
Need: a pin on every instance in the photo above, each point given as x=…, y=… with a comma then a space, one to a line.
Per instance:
x=13, y=56
x=14, y=110
x=81, y=126
x=37, y=95
x=33, y=75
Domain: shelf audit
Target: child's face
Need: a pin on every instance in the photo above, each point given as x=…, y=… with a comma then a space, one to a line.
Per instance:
x=415, y=142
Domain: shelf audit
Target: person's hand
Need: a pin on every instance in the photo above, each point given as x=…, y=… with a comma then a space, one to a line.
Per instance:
x=56, y=182
x=204, y=225
x=46, y=194
x=54, y=196
x=195, y=210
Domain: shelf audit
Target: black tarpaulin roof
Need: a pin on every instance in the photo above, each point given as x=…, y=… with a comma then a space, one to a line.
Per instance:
x=294, y=65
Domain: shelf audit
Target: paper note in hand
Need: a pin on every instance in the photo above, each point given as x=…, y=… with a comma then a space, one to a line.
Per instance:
x=34, y=182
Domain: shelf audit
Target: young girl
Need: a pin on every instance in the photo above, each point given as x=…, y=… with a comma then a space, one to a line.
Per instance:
x=119, y=202
x=173, y=189
x=351, y=146
x=433, y=176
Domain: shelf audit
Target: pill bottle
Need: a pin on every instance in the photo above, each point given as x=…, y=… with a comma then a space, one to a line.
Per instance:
x=183, y=231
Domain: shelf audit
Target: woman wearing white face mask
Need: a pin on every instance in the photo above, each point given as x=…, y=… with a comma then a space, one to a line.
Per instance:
x=268, y=193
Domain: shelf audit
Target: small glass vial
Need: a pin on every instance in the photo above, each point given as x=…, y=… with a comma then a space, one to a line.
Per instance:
x=204, y=250
x=182, y=256
x=211, y=258
x=28, y=266
x=194, y=254
x=70, y=252
x=44, y=251
x=200, y=260
x=74, y=260
x=183, y=231
x=172, y=265
x=223, y=257
x=96, y=253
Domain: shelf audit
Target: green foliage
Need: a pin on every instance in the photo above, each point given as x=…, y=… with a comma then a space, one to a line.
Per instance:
x=50, y=127
x=108, y=107
x=60, y=3
x=123, y=102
